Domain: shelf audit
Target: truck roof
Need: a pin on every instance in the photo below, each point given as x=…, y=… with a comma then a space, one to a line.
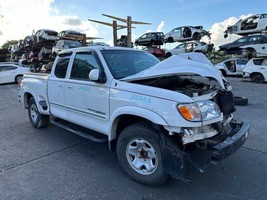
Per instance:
x=98, y=48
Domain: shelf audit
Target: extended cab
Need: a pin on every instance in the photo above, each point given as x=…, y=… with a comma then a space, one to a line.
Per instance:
x=160, y=117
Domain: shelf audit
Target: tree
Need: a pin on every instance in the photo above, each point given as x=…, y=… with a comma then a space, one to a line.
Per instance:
x=9, y=42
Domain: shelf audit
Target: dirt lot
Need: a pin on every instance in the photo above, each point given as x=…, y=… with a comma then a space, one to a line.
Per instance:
x=51, y=163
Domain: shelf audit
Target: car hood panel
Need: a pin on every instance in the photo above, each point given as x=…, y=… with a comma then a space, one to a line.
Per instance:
x=176, y=65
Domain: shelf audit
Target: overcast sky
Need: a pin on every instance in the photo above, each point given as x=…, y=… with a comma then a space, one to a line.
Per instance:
x=18, y=18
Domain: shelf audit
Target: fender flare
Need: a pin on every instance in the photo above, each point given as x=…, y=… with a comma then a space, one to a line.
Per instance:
x=135, y=111
x=37, y=98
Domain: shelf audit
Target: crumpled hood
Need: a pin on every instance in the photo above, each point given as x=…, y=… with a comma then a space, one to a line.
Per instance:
x=176, y=65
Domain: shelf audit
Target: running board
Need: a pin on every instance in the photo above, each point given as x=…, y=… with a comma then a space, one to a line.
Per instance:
x=80, y=131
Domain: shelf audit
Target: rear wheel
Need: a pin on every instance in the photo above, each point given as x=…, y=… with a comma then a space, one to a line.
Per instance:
x=37, y=120
x=170, y=39
x=139, y=153
x=251, y=53
x=257, y=78
x=240, y=101
x=197, y=36
x=18, y=78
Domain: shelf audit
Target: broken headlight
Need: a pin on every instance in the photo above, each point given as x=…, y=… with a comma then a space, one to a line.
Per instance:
x=199, y=111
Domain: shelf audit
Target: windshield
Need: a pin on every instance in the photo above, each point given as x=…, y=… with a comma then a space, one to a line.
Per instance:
x=123, y=63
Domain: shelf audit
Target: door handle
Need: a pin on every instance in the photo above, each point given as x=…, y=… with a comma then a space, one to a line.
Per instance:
x=69, y=87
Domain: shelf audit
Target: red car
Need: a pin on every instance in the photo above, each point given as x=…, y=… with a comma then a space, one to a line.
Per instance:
x=159, y=53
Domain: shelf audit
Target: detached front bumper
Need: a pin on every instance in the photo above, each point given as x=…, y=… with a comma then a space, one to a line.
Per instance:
x=211, y=150
x=230, y=144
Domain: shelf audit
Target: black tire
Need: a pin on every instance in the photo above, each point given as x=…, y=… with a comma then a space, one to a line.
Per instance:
x=240, y=101
x=197, y=36
x=139, y=153
x=257, y=78
x=170, y=40
x=151, y=43
x=18, y=78
x=168, y=54
x=37, y=120
x=251, y=53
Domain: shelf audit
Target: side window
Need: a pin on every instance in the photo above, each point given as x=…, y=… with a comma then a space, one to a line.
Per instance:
x=62, y=66
x=7, y=68
x=242, y=62
x=82, y=65
x=257, y=61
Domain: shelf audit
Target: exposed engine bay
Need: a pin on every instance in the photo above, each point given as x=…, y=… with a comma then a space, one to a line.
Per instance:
x=190, y=85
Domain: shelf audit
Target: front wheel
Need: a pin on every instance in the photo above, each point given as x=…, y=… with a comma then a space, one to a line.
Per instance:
x=257, y=78
x=139, y=153
x=37, y=120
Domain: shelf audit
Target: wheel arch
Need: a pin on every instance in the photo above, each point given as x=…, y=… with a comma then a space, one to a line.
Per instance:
x=126, y=116
x=256, y=73
x=42, y=109
x=196, y=36
x=223, y=71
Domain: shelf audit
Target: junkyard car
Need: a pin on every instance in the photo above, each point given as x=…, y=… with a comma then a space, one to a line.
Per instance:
x=185, y=33
x=187, y=47
x=64, y=44
x=159, y=53
x=149, y=39
x=71, y=35
x=252, y=24
x=245, y=45
x=232, y=66
x=10, y=73
x=46, y=36
x=256, y=70
x=160, y=117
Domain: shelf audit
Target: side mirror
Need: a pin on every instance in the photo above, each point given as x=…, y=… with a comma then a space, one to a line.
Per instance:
x=94, y=75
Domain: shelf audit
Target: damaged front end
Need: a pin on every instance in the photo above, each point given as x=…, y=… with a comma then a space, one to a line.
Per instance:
x=207, y=132
x=210, y=142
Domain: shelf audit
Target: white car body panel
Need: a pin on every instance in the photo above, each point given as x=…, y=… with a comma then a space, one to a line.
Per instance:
x=188, y=47
x=255, y=68
x=178, y=65
x=257, y=22
x=178, y=33
x=222, y=66
x=9, y=75
x=260, y=49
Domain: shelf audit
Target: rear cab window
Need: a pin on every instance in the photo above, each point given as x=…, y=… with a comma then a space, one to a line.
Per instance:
x=62, y=65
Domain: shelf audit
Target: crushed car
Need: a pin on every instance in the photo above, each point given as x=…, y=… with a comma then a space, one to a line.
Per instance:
x=256, y=70
x=250, y=25
x=185, y=33
x=232, y=66
x=192, y=46
x=246, y=45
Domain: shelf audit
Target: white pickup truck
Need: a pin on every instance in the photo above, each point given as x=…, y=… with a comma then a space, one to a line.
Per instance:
x=160, y=117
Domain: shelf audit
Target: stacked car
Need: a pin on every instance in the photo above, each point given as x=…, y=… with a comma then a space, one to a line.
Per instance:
x=42, y=46
x=251, y=45
x=189, y=36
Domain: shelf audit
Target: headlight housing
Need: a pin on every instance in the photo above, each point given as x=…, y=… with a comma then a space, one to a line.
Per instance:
x=199, y=111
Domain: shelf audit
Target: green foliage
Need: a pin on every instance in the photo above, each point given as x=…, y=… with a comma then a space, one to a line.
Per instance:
x=9, y=42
